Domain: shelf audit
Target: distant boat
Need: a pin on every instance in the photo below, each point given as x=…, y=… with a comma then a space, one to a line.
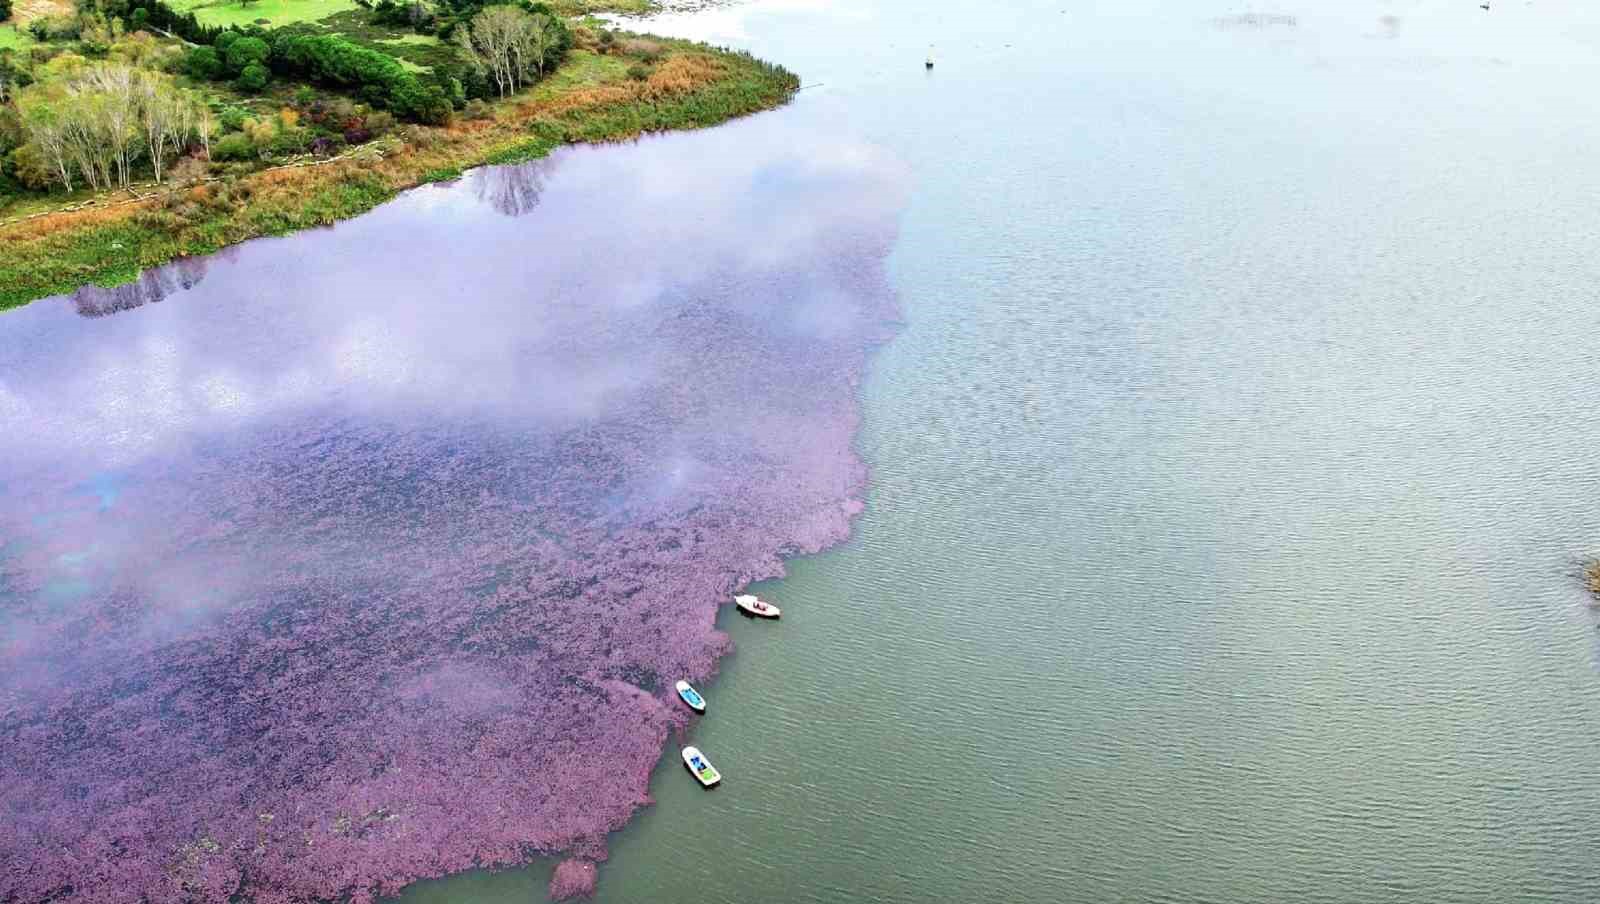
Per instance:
x=930, y=57
x=752, y=606
x=701, y=767
x=691, y=696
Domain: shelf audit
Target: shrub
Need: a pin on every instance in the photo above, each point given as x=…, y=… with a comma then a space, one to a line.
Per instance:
x=649, y=51
x=29, y=168
x=13, y=75
x=203, y=63
x=245, y=52
x=232, y=119
x=253, y=79
x=55, y=28
x=5, y=10
x=638, y=72
x=95, y=35
x=477, y=109
x=189, y=171
x=233, y=146
x=288, y=141
x=326, y=145
x=379, y=122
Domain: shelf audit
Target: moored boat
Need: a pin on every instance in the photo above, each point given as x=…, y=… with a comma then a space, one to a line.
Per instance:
x=689, y=695
x=700, y=767
x=750, y=605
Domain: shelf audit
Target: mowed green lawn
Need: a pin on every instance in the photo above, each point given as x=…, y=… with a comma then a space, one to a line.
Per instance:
x=276, y=12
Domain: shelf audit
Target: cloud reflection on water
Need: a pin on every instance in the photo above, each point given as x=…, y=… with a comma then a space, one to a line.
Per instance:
x=407, y=512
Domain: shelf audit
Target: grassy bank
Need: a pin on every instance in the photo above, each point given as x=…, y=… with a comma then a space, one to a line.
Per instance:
x=588, y=99
x=288, y=12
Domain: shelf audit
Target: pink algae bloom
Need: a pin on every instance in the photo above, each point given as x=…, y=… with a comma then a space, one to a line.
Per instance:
x=370, y=576
x=573, y=878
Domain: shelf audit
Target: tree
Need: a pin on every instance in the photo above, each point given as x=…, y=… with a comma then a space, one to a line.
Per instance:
x=99, y=121
x=43, y=119
x=203, y=63
x=110, y=95
x=510, y=44
x=5, y=10
x=204, y=125
x=169, y=118
x=335, y=62
x=29, y=167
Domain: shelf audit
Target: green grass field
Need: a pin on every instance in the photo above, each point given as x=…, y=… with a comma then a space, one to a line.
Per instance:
x=276, y=12
x=582, y=69
x=13, y=37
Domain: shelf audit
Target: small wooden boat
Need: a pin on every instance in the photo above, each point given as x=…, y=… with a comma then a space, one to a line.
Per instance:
x=689, y=695
x=749, y=605
x=701, y=767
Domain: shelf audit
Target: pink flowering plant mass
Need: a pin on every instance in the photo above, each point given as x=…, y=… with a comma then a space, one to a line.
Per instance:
x=323, y=571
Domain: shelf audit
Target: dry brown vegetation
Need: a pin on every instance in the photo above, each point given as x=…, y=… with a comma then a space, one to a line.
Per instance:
x=25, y=11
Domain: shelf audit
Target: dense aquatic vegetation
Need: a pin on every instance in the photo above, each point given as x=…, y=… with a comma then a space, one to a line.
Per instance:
x=395, y=582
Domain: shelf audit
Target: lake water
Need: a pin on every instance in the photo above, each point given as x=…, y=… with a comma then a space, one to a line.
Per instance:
x=1229, y=469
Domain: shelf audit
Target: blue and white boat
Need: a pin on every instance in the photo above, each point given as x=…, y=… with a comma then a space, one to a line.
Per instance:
x=701, y=767
x=689, y=695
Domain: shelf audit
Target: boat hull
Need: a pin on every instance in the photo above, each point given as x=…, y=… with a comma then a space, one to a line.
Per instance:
x=701, y=768
x=756, y=608
x=691, y=697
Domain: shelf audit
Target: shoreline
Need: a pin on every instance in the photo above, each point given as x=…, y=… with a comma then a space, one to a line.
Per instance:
x=696, y=86
x=608, y=542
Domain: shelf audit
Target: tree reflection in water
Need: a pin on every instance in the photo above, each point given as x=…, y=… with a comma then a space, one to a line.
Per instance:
x=152, y=286
x=511, y=190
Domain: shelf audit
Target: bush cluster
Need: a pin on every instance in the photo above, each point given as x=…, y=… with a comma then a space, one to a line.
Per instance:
x=377, y=78
x=412, y=14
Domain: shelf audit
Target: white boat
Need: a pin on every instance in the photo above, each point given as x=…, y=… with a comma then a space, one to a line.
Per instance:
x=753, y=606
x=690, y=696
x=701, y=767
